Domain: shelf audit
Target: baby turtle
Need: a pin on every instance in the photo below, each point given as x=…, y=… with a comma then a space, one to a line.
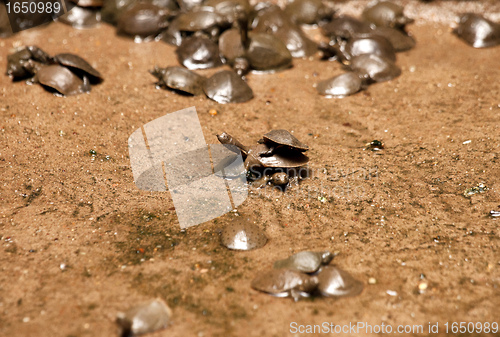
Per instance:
x=478, y=31
x=180, y=79
x=81, y=17
x=375, y=68
x=230, y=45
x=281, y=138
x=62, y=80
x=345, y=27
x=386, y=14
x=231, y=10
x=336, y=282
x=341, y=85
x=227, y=87
x=143, y=21
x=5, y=28
x=258, y=155
x=377, y=45
x=308, y=12
x=243, y=235
x=79, y=66
x=285, y=282
x=112, y=10
x=144, y=318
x=267, y=53
x=399, y=40
x=18, y=64
x=198, y=52
x=202, y=19
x=272, y=20
x=306, y=262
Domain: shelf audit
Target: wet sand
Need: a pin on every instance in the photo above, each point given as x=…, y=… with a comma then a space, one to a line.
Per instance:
x=80, y=242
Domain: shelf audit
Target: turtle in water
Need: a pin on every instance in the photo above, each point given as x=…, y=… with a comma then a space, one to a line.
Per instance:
x=267, y=155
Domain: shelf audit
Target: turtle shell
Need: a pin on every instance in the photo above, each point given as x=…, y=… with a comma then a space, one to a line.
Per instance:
x=283, y=159
x=243, y=235
x=340, y=86
x=478, y=31
x=62, y=80
x=281, y=282
x=337, y=282
x=79, y=65
x=284, y=137
x=181, y=79
x=227, y=87
x=307, y=262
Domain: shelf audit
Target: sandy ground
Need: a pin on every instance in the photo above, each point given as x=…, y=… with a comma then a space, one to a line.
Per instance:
x=79, y=242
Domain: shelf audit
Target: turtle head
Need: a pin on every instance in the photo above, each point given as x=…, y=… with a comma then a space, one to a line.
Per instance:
x=224, y=138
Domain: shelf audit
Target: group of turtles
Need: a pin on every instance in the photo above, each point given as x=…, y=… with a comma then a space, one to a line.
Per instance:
x=66, y=74
x=307, y=274
x=275, y=159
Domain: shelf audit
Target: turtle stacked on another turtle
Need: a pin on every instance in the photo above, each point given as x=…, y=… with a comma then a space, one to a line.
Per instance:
x=274, y=159
x=307, y=274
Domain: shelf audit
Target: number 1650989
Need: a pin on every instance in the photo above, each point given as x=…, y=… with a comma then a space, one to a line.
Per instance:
x=33, y=7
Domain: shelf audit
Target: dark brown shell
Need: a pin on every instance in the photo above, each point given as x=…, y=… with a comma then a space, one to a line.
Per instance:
x=386, y=14
x=78, y=64
x=81, y=17
x=142, y=20
x=267, y=53
x=398, y=39
x=231, y=10
x=227, y=87
x=275, y=22
x=198, y=52
x=62, y=79
x=284, y=137
x=308, y=11
x=230, y=45
x=375, y=68
x=282, y=159
x=181, y=79
x=198, y=19
x=345, y=27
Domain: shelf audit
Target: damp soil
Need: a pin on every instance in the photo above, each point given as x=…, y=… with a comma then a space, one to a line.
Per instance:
x=79, y=242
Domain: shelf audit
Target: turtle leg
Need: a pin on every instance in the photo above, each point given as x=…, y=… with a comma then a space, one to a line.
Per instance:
x=86, y=85
x=261, y=182
x=295, y=294
x=268, y=153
